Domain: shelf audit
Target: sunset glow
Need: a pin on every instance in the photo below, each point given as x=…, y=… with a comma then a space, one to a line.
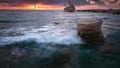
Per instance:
x=91, y=4
x=32, y=7
x=52, y=7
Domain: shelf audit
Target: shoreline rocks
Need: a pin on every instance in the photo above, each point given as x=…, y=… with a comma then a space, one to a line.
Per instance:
x=90, y=31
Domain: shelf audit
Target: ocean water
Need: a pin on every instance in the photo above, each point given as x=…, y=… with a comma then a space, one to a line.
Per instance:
x=48, y=39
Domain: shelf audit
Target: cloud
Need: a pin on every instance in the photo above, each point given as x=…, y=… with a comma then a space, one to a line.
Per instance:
x=111, y=2
x=118, y=3
x=115, y=3
x=4, y=4
x=91, y=1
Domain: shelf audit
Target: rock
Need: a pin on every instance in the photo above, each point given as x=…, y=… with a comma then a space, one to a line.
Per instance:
x=90, y=30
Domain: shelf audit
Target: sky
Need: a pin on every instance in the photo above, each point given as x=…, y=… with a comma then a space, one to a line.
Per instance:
x=58, y=4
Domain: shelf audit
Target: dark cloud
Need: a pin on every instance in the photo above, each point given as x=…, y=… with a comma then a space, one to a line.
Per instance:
x=44, y=1
x=33, y=1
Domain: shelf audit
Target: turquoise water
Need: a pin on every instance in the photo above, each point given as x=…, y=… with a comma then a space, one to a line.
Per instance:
x=48, y=39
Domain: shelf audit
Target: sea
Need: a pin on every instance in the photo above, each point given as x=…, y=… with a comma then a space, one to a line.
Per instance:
x=49, y=39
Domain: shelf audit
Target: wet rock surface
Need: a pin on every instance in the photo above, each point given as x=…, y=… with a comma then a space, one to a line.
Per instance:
x=90, y=30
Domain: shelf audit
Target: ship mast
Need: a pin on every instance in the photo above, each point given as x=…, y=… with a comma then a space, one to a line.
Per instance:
x=70, y=8
x=69, y=3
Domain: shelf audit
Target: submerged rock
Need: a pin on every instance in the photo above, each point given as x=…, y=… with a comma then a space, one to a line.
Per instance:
x=90, y=30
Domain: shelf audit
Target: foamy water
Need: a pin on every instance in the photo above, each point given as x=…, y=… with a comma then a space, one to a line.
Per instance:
x=48, y=39
x=55, y=27
x=51, y=33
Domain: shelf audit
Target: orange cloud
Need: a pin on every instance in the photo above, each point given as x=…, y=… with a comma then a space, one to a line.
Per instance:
x=33, y=7
x=41, y=6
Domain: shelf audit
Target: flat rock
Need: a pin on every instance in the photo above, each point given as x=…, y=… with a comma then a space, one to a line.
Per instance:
x=90, y=30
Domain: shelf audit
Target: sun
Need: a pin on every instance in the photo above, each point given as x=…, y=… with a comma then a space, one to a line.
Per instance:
x=32, y=6
x=35, y=6
x=39, y=7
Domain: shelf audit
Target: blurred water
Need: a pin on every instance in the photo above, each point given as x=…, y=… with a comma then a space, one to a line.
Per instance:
x=48, y=39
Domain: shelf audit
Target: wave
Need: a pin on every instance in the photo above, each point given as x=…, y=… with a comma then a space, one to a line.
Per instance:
x=47, y=34
x=14, y=21
x=111, y=27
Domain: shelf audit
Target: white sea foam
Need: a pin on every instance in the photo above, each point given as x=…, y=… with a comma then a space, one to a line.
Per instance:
x=47, y=34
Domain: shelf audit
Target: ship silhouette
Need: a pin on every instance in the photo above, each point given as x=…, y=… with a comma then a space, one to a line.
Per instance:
x=70, y=7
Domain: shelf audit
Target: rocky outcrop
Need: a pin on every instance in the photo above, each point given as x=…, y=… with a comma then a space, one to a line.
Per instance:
x=90, y=30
